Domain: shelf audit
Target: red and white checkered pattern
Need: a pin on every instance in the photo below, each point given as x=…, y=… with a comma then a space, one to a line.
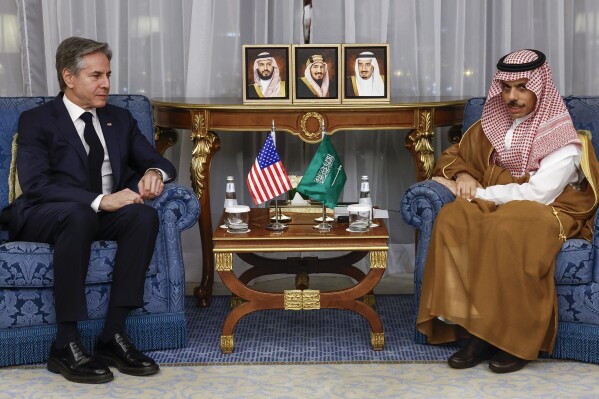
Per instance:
x=548, y=129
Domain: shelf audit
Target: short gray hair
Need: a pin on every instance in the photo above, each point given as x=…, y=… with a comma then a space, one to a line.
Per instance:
x=70, y=53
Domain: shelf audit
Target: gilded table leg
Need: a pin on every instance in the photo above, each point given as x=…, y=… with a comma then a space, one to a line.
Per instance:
x=250, y=300
x=227, y=344
x=205, y=144
x=419, y=143
x=377, y=340
x=349, y=298
x=378, y=262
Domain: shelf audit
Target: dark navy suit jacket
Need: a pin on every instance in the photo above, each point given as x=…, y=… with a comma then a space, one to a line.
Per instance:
x=52, y=162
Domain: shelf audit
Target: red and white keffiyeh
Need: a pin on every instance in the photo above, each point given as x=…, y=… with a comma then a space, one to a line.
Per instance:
x=548, y=129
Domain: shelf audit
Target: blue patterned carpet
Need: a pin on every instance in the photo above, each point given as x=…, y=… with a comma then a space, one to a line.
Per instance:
x=322, y=336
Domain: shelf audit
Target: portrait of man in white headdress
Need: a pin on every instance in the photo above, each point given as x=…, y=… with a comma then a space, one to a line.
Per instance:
x=314, y=81
x=268, y=81
x=367, y=79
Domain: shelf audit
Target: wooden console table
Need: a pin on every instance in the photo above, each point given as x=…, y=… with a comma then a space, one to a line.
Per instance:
x=205, y=116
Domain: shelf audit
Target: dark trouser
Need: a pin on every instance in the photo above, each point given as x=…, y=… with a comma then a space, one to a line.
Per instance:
x=71, y=228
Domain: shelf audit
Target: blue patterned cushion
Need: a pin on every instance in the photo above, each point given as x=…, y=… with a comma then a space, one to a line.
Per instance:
x=473, y=111
x=585, y=115
x=578, y=303
x=29, y=264
x=25, y=307
x=574, y=263
x=140, y=108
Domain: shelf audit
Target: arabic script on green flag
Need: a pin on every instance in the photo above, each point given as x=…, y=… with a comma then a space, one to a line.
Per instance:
x=325, y=178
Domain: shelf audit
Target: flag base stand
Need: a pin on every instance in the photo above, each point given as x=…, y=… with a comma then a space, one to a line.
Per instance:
x=277, y=226
x=324, y=226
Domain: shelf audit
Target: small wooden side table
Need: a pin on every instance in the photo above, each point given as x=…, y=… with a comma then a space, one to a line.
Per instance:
x=301, y=237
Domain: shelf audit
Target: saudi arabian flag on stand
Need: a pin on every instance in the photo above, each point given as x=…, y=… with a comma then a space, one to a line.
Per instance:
x=324, y=179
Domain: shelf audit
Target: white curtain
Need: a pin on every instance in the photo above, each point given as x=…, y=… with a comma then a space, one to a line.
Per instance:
x=192, y=48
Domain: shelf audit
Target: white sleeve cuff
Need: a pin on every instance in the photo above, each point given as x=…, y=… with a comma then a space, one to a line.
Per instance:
x=163, y=174
x=96, y=203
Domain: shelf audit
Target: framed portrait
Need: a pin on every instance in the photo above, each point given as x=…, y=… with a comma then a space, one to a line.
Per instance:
x=316, y=75
x=266, y=72
x=366, y=73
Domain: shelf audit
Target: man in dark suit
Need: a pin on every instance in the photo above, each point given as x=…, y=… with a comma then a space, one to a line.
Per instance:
x=75, y=155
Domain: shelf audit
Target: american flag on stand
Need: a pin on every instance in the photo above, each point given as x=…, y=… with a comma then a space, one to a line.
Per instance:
x=267, y=178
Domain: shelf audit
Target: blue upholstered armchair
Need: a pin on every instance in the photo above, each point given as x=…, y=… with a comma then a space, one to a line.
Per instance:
x=27, y=317
x=577, y=265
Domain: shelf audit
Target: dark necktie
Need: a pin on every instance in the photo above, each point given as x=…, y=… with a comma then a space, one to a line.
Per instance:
x=95, y=156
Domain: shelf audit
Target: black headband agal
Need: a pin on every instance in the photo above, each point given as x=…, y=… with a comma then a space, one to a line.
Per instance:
x=529, y=66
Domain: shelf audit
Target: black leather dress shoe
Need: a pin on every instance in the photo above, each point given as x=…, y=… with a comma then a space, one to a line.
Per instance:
x=76, y=365
x=504, y=362
x=472, y=354
x=121, y=353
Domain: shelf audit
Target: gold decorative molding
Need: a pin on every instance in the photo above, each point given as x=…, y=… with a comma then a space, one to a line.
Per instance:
x=199, y=122
x=293, y=300
x=236, y=301
x=378, y=259
x=306, y=135
x=424, y=138
x=425, y=121
x=204, y=143
x=377, y=340
x=369, y=300
x=14, y=189
x=223, y=262
x=226, y=343
x=419, y=143
x=302, y=299
x=311, y=299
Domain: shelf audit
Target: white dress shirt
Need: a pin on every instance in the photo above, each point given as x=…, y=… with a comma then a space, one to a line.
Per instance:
x=555, y=172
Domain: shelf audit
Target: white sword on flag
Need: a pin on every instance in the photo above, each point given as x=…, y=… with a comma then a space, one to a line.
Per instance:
x=324, y=226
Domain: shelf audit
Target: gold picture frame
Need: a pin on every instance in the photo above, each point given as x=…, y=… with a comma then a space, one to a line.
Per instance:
x=316, y=74
x=260, y=87
x=374, y=68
